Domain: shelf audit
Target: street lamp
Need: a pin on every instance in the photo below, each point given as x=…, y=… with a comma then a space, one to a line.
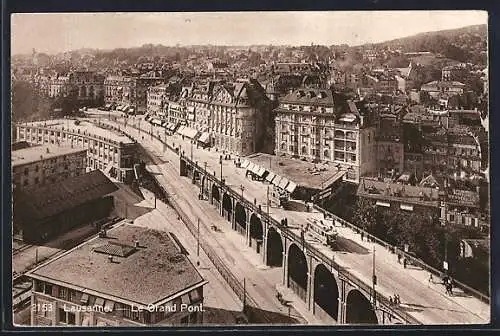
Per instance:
x=242, y=187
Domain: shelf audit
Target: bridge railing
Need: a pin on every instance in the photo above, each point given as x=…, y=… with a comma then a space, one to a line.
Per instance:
x=290, y=235
x=317, y=254
x=261, y=315
x=412, y=259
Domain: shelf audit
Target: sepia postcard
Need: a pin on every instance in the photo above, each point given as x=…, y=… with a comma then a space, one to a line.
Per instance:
x=250, y=168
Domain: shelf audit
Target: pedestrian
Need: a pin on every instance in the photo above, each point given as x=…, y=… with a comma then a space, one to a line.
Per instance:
x=404, y=262
x=362, y=235
x=431, y=279
x=395, y=298
x=390, y=300
x=399, y=299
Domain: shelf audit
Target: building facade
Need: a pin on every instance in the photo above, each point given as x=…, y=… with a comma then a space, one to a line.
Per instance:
x=41, y=165
x=118, y=295
x=317, y=125
x=107, y=149
x=232, y=114
x=157, y=103
x=88, y=86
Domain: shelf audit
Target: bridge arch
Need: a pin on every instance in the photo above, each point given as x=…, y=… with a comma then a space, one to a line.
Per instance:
x=240, y=217
x=227, y=205
x=256, y=232
x=359, y=309
x=274, y=248
x=215, y=194
x=326, y=291
x=297, y=271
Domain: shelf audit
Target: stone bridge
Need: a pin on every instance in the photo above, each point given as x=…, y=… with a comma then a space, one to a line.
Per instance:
x=327, y=290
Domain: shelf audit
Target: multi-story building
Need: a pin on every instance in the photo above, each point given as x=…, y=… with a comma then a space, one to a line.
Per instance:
x=119, y=90
x=167, y=291
x=107, y=148
x=390, y=151
x=454, y=72
x=157, y=103
x=58, y=86
x=321, y=125
x=40, y=165
x=88, y=86
x=437, y=88
x=142, y=84
x=232, y=115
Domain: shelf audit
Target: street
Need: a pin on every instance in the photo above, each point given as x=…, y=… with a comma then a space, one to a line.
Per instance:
x=427, y=303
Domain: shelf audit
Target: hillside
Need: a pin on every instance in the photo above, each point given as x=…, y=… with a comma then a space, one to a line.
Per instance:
x=467, y=44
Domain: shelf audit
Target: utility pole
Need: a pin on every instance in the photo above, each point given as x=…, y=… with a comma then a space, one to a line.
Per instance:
x=191, y=150
x=198, y=240
x=244, y=293
x=268, y=203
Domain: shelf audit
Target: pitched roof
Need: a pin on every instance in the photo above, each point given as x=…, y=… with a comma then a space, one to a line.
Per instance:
x=310, y=96
x=36, y=203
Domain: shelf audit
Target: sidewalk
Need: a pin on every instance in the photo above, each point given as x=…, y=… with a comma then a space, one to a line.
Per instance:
x=411, y=284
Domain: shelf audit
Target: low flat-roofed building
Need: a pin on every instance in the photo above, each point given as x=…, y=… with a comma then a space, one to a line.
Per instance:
x=299, y=179
x=116, y=277
x=42, y=213
x=39, y=165
x=108, y=149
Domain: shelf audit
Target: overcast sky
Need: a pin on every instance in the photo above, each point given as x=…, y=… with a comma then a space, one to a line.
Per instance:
x=55, y=32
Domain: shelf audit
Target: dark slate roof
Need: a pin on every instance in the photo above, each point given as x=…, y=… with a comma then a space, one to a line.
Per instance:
x=36, y=203
x=310, y=96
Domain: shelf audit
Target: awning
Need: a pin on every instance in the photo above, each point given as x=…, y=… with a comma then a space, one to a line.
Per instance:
x=277, y=180
x=283, y=183
x=180, y=130
x=255, y=168
x=250, y=166
x=107, y=105
x=384, y=204
x=406, y=207
x=348, y=118
x=190, y=132
x=291, y=187
x=261, y=172
x=270, y=176
x=204, y=137
x=245, y=164
x=156, y=122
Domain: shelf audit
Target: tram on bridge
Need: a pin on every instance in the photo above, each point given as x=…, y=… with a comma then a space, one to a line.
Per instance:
x=322, y=231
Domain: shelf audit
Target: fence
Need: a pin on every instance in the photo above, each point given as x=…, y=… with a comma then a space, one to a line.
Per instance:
x=415, y=261
x=253, y=315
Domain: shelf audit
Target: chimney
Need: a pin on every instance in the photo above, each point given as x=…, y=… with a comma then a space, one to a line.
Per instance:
x=48, y=151
x=110, y=258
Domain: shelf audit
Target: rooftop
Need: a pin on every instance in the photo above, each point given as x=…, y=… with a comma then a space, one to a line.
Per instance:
x=155, y=270
x=37, y=153
x=85, y=127
x=398, y=191
x=303, y=173
x=38, y=202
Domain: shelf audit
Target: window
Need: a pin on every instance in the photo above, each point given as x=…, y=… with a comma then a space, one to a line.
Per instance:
x=26, y=182
x=63, y=292
x=26, y=171
x=47, y=289
x=66, y=317
x=37, y=180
